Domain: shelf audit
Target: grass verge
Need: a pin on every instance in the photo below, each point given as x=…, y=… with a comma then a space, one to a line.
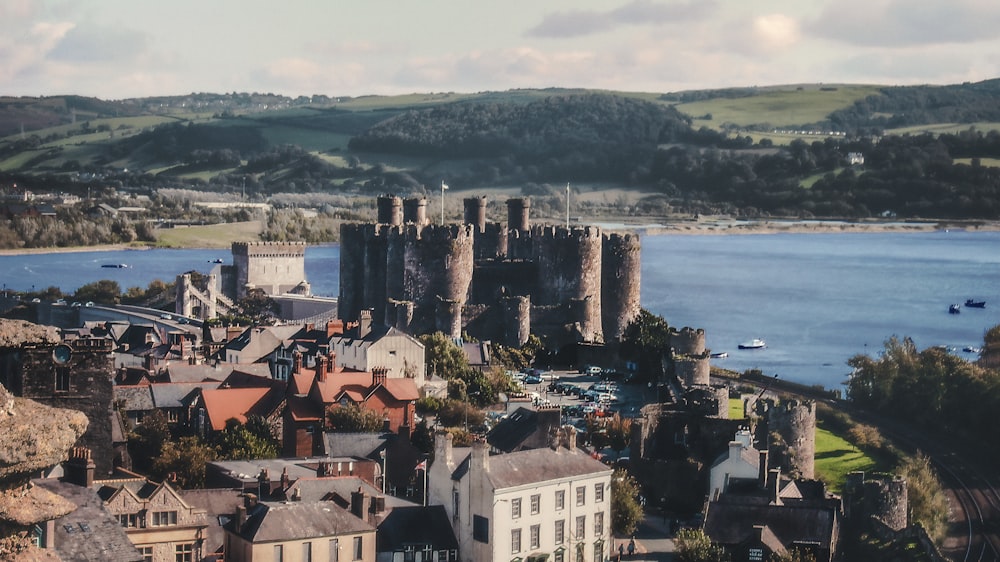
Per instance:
x=209, y=236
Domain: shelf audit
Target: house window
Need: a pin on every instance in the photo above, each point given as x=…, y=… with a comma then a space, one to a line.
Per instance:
x=579, y=552
x=559, y=556
x=599, y=492
x=581, y=527
x=560, y=533
x=560, y=499
x=147, y=553
x=515, y=508
x=599, y=550
x=756, y=554
x=536, y=503
x=173, y=416
x=480, y=529
x=184, y=552
x=62, y=379
x=535, y=536
x=599, y=524
x=334, y=550
x=163, y=518
x=307, y=551
x=279, y=553
x=359, y=548
x=581, y=495
x=515, y=541
x=38, y=536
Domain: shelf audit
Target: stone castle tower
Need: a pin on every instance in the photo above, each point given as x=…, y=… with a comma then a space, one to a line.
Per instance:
x=881, y=496
x=790, y=427
x=275, y=267
x=496, y=281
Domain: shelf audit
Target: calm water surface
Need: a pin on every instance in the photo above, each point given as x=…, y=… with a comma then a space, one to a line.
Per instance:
x=817, y=299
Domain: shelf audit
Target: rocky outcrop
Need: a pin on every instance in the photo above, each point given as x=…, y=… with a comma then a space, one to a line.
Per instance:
x=32, y=437
x=15, y=333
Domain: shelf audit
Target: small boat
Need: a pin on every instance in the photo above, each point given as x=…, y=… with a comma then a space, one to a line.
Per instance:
x=115, y=265
x=975, y=304
x=719, y=355
x=971, y=349
x=954, y=309
x=216, y=260
x=755, y=343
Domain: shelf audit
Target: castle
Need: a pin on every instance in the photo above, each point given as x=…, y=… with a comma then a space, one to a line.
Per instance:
x=491, y=280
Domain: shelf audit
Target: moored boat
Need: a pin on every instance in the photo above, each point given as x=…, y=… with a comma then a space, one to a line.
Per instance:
x=975, y=304
x=755, y=343
x=115, y=265
x=719, y=355
x=954, y=309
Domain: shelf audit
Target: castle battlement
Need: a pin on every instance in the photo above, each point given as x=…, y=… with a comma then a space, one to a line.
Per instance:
x=269, y=249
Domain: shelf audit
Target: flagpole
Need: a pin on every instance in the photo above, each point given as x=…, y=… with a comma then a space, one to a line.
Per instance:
x=425, y=482
x=444, y=186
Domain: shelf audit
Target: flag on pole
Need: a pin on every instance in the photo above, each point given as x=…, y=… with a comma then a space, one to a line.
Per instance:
x=444, y=186
x=422, y=465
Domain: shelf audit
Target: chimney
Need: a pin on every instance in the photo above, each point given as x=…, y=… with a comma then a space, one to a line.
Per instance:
x=443, y=449
x=263, y=483
x=365, y=323
x=358, y=504
x=734, y=450
x=321, y=368
x=80, y=467
x=285, y=481
x=774, y=486
x=762, y=469
x=480, y=456
x=332, y=358
x=379, y=375
x=322, y=469
x=249, y=501
x=297, y=494
x=241, y=518
x=569, y=437
x=334, y=327
x=296, y=362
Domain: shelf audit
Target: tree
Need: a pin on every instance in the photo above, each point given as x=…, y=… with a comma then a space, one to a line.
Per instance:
x=183, y=462
x=353, y=418
x=626, y=511
x=865, y=436
x=146, y=441
x=693, y=545
x=793, y=555
x=248, y=441
x=925, y=495
x=103, y=292
x=443, y=358
x=258, y=307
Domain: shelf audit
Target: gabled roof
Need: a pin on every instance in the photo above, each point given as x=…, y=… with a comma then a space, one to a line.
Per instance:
x=363, y=445
x=416, y=525
x=172, y=394
x=338, y=489
x=302, y=409
x=517, y=429
x=223, y=404
x=220, y=507
x=90, y=532
x=134, y=398
x=350, y=337
x=290, y=521
x=257, y=341
x=403, y=390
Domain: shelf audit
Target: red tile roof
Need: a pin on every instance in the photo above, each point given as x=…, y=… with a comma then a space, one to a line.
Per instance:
x=222, y=404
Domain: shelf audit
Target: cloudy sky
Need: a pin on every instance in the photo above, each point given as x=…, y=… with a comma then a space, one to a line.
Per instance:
x=132, y=48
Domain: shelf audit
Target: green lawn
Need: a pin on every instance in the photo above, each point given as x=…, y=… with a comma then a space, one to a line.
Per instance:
x=735, y=408
x=208, y=236
x=779, y=107
x=835, y=458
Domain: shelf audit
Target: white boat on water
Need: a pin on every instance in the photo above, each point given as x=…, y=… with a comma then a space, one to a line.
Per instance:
x=755, y=343
x=720, y=355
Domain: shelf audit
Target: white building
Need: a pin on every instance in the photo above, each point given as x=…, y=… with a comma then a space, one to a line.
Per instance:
x=367, y=347
x=551, y=504
x=741, y=462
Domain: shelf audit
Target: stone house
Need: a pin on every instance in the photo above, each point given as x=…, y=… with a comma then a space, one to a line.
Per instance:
x=550, y=503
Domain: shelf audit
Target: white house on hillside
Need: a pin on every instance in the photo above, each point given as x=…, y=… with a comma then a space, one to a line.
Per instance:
x=552, y=503
x=741, y=462
x=367, y=347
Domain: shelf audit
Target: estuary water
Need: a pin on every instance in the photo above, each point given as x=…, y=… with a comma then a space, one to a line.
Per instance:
x=816, y=299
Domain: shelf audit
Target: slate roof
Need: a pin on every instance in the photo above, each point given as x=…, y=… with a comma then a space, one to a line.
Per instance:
x=247, y=471
x=196, y=373
x=134, y=398
x=538, y=465
x=291, y=521
x=172, y=394
x=731, y=518
x=416, y=525
x=514, y=431
x=363, y=445
x=90, y=532
x=339, y=489
x=220, y=508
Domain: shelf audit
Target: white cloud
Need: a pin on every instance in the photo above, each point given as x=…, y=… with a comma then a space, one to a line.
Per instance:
x=775, y=31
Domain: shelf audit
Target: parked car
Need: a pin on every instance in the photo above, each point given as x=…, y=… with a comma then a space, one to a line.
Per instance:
x=532, y=379
x=593, y=370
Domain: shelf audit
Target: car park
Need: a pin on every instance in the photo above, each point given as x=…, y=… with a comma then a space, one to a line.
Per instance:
x=532, y=379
